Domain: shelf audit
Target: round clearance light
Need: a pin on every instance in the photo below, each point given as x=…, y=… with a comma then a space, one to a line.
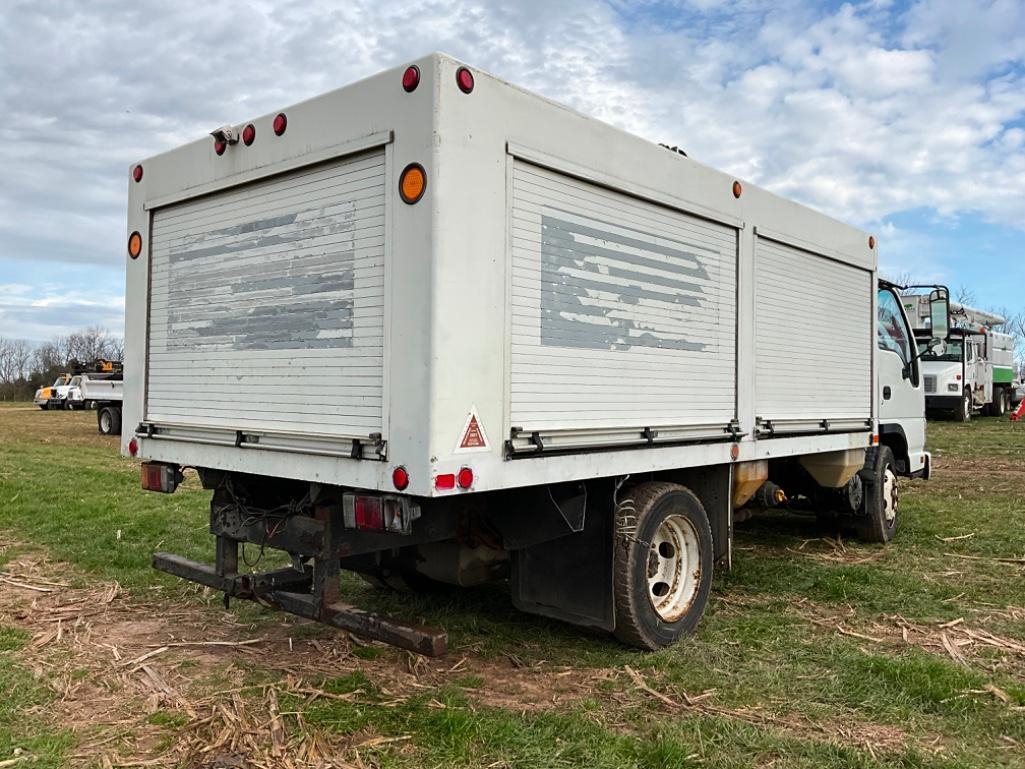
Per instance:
x=220, y=146
x=465, y=478
x=412, y=183
x=411, y=78
x=134, y=245
x=280, y=123
x=133, y=447
x=871, y=241
x=137, y=173
x=400, y=478
x=738, y=189
x=464, y=79
x=249, y=134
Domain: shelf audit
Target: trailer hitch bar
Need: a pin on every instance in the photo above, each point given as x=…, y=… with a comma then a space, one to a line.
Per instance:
x=289, y=590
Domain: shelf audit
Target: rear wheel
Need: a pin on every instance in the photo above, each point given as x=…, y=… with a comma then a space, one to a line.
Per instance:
x=877, y=519
x=109, y=420
x=1000, y=402
x=663, y=564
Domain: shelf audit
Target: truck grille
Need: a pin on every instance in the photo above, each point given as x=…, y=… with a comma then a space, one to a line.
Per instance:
x=930, y=383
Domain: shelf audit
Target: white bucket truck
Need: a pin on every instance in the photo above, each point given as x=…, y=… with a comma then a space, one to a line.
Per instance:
x=973, y=370
x=431, y=327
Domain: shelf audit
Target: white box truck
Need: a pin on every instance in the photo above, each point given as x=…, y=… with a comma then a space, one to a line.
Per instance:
x=431, y=327
x=973, y=370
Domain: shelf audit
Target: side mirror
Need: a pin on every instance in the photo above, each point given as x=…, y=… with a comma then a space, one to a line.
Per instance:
x=939, y=313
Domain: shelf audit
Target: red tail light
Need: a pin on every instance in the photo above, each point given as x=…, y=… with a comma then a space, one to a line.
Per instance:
x=465, y=478
x=220, y=146
x=369, y=513
x=464, y=79
x=411, y=78
x=280, y=123
x=133, y=447
x=445, y=481
x=157, y=476
x=137, y=173
x=400, y=478
x=249, y=134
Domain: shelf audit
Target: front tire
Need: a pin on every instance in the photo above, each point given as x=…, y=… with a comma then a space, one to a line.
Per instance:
x=877, y=519
x=964, y=411
x=662, y=565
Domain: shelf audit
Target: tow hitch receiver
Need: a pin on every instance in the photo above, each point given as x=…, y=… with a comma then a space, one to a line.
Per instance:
x=312, y=594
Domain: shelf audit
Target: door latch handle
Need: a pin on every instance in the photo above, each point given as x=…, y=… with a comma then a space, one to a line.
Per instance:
x=886, y=393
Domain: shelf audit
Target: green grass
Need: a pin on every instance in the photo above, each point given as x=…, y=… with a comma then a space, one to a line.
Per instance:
x=784, y=678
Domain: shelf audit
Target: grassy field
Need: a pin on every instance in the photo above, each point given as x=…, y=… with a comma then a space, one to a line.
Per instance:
x=814, y=652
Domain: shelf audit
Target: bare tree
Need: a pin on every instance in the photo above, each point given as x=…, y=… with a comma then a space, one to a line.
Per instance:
x=964, y=295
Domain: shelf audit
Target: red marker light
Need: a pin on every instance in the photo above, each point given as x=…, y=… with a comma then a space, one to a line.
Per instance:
x=400, y=478
x=411, y=78
x=133, y=447
x=137, y=173
x=280, y=123
x=220, y=146
x=445, y=481
x=249, y=134
x=464, y=79
x=465, y=478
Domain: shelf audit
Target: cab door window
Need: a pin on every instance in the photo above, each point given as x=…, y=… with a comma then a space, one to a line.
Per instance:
x=893, y=331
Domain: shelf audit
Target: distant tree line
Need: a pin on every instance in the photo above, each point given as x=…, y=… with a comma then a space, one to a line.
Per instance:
x=24, y=367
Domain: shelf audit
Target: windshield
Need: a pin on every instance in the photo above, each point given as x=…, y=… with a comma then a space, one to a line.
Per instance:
x=58, y=382
x=952, y=353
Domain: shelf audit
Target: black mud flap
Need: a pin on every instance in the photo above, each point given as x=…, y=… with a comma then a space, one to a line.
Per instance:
x=570, y=578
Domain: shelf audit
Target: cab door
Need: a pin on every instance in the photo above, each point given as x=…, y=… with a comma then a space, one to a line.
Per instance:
x=901, y=392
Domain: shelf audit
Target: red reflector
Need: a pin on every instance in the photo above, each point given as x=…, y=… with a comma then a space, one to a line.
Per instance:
x=137, y=173
x=368, y=513
x=280, y=123
x=464, y=79
x=957, y=376
x=445, y=481
x=465, y=478
x=220, y=146
x=249, y=134
x=400, y=478
x=133, y=447
x=411, y=78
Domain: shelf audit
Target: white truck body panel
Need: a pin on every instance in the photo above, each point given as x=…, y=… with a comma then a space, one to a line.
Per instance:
x=103, y=388
x=561, y=284
x=266, y=304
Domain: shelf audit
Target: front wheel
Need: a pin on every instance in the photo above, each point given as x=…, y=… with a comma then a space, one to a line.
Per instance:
x=662, y=565
x=877, y=519
x=964, y=410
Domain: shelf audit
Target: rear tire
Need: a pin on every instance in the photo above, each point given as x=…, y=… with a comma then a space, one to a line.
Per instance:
x=108, y=420
x=662, y=566
x=999, y=405
x=877, y=519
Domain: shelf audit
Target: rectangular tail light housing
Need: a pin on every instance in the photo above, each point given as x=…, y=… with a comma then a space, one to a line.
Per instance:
x=382, y=512
x=162, y=477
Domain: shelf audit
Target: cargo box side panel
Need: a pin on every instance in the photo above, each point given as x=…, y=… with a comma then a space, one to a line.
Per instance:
x=623, y=312
x=814, y=336
x=266, y=304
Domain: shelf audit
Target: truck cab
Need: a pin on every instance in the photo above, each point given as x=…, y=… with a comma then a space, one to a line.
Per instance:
x=53, y=396
x=901, y=387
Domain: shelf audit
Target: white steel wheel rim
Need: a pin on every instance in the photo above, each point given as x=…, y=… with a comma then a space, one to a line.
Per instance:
x=105, y=421
x=674, y=568
x=889, y=496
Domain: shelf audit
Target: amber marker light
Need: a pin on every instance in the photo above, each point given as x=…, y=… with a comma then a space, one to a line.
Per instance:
x=134, y=245
x=412, y=183
x=738, y=189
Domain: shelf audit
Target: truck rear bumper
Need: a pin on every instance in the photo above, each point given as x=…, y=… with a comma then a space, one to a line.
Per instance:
x=308, y=594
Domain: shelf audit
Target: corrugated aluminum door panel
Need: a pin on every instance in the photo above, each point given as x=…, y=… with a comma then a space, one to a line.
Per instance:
x=623, y=312
x=266, y=304
x=814, y=336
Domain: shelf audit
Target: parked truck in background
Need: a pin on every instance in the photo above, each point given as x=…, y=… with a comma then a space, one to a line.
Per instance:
x=53, y=396
x=433, y=328
x=973, y=371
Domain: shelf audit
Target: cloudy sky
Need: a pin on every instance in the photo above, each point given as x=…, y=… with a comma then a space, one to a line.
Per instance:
x=906, y=118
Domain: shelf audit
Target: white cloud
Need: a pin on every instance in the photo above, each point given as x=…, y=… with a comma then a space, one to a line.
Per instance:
x=863, y=111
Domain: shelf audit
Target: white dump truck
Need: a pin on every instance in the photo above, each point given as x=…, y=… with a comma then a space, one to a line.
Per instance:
x=103, y=391
x=973, y=370
x=433, y=328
